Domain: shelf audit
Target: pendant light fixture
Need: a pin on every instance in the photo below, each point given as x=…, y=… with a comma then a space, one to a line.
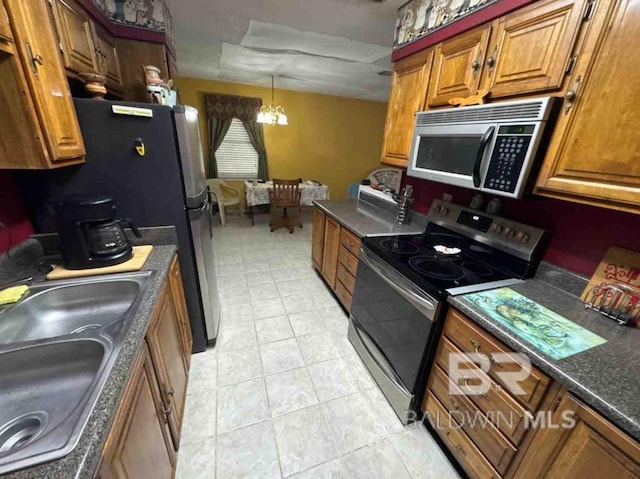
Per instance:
x=272, y=114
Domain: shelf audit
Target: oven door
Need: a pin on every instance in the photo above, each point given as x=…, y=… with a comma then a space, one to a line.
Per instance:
x=455, y=154
x=392, y=326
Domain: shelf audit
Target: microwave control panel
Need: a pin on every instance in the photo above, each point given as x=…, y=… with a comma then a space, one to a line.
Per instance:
x=509, y=152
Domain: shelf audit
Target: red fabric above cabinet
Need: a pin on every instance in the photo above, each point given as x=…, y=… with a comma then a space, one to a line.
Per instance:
x=12, y=214
x=580, y=234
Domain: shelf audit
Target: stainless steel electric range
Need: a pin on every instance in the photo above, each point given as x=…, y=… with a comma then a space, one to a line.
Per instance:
x=402, y=284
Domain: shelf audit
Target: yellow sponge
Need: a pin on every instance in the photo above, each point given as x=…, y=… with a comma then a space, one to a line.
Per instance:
x=12, y=295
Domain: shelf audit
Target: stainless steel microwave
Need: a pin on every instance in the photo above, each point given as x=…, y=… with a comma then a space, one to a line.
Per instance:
x=489, y=148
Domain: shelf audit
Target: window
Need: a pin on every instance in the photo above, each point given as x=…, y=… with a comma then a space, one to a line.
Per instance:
x=236, y=158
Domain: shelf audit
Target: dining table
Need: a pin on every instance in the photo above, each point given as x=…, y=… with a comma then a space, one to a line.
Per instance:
x=257, y=193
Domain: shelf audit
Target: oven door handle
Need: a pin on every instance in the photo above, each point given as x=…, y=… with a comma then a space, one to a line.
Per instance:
x=398, y=283
x=381, y=361
x=484, y=141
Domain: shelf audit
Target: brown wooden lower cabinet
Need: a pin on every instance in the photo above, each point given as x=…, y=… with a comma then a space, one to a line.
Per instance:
x=317, y=242
x=139, y=444
x=165, y=345
x=145, y=434
x=501, y=434
x=593, y=448
x=334, y=253
x=177, y=291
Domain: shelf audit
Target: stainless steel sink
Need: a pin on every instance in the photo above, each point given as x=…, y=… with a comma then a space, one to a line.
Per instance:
x=57, y=348
x=67, y=309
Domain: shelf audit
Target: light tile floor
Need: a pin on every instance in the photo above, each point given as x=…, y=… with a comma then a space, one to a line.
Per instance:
x=283, y=393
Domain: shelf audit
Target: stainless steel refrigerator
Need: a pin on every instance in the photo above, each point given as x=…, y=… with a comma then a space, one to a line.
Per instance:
x=149, y=159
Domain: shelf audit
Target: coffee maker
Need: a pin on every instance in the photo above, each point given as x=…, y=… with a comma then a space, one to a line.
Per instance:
x=91, y=234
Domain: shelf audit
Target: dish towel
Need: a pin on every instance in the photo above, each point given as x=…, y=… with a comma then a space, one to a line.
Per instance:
x=12, y=295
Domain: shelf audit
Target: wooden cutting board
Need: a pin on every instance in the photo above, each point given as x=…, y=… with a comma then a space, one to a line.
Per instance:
x=619, y=266
x=140, y=255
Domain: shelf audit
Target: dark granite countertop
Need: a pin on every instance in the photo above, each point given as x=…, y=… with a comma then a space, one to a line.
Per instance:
x=605, y=377
x=367, y=221
x=85, y=457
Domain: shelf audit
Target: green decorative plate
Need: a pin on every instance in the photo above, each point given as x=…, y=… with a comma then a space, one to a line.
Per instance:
x=547, y=331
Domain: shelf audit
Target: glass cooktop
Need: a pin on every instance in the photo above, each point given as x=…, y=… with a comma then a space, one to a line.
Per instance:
x=443, y=262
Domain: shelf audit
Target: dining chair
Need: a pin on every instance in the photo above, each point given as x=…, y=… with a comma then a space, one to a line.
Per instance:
x=285, y=194
x=224, y=195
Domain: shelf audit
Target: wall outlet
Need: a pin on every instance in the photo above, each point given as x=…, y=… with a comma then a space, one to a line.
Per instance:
x=448, y=197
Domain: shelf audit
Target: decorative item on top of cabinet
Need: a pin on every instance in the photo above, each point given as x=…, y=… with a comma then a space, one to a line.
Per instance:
x=75, y=30
x=457, y=66
x=531, y=49
x=593, y=156
x=593, y=447
x=317, y=242
x=34, y=95
x=134, y=53
x=139, y=443
x=166, y=347
x=408, y=92
x=5, y=27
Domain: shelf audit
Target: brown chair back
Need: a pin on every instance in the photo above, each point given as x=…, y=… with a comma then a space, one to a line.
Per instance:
x=285, y=194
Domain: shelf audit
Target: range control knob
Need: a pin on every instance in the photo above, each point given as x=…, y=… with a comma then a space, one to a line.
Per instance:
x=496, y=228
x=444, y=210
x=509, y=232
x=522, y=237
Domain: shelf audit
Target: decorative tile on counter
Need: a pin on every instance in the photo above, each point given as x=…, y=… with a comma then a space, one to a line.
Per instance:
x=545, y=330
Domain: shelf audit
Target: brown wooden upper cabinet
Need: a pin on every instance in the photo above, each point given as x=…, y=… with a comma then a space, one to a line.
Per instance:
x=5, y=27
x=592, y=448
x=108, y=59
x=76, y=34
x=408, y=91
x=531, y=49
x=34, y=96
x=594, y=156
x=457, y=66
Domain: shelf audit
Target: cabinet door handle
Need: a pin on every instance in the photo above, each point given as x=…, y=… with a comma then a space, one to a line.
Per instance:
x=34, y=59
x=571, y=95
x=475, y=65
x=166, y=411
x=476, y=345
x=167, y=394
x=491, y=61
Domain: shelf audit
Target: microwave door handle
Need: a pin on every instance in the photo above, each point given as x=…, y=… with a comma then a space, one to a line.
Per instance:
x=484, y=141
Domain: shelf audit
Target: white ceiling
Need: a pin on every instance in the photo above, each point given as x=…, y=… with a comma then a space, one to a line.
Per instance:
x=336, y=47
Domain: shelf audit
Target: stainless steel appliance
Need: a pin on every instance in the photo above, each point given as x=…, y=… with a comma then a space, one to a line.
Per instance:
x=403, y=281
x=489, y=148
x=91, y=235
x=149, y=159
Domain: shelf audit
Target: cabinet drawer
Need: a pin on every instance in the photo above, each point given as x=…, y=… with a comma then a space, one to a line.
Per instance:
x=496, y=402
x=496, y=448
x=348, y=261
x=470, y=338
x=343, y=295
x=470, y=458
x=346, y=279
x=350, y=241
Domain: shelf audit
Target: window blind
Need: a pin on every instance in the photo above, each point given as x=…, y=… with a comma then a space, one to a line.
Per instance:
x=236, y=158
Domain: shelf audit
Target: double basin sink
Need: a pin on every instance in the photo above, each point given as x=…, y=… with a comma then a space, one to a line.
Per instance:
x=57, y=348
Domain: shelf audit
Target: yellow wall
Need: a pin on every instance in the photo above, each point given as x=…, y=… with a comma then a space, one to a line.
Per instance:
x=330, y=139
